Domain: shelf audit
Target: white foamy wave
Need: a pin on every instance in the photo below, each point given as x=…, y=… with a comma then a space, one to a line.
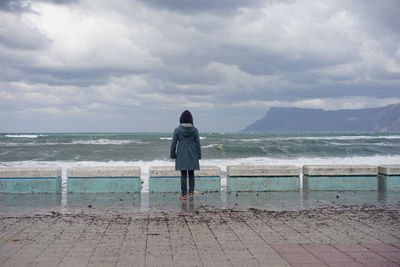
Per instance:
x=251, y=140
x=387, y=144
x=79, y=142
x=24, y=135
x=219, y=146
x=170, y=138
x=107, y=142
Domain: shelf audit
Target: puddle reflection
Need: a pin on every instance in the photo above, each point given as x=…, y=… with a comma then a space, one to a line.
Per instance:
x=20, y=204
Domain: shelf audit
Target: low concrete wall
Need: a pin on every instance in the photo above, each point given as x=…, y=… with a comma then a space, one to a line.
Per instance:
x=251, y=178
x=389, y=178
x=30, y=180
x=166, y=179
x=340, y=177
x=122, y=179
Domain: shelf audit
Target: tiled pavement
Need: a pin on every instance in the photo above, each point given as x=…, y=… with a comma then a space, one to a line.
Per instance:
x=321, y=237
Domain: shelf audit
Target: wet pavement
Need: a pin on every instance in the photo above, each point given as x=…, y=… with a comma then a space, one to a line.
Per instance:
x=211, y=229
x=31, y=204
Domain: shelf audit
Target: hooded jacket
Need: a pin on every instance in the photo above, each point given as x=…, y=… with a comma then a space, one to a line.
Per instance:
x=185, y=148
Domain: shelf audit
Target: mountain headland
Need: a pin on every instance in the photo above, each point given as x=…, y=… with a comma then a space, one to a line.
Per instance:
x=384, y=119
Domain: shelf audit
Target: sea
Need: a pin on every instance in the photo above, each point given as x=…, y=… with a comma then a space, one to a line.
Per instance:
x=222, y=149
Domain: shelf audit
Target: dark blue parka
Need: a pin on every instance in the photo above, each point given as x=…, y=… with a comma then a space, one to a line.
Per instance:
x=185, y=148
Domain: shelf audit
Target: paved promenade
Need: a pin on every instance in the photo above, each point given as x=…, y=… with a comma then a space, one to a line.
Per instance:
x=215, y=238
x=200, y=232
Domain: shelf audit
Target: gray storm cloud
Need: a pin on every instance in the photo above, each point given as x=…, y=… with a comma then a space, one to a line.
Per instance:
x=135, y=65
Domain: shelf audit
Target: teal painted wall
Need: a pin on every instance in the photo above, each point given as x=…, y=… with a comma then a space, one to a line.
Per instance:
x=389, y=182
x=339, y=183
x=103, y=185
x=260, y=184
x=30, y=185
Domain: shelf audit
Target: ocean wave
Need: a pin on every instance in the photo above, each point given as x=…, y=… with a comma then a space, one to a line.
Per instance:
x=381, y=144
x=222, y=163
x=170, y=138
x=108, y=142
x=78, y=142
x=31, y=136
x=219, y=146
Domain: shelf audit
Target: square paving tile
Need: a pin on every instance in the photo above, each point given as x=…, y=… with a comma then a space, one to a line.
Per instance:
x=288, y=248
x=381, y=264
x=381, y=247
x=367, y=257
x=346, y=264
x=299, y=257
x=328, y=253
x=309, y=265
x=394, y=256
x=350, y=248
x=335, y=257
x=319, y=248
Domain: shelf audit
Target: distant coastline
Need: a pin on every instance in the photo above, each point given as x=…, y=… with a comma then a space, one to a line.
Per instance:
x=385, y=119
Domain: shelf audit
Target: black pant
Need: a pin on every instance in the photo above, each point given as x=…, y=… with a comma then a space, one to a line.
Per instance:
x=184, y=183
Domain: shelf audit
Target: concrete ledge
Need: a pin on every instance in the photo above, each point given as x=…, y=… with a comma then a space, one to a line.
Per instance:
x=339, y=170
x=253, y=178
x=30, y=180
x=123, y=171
x=389, y=178
x=164, y=179
x=124, y=179
x=30, y=172
x=389, y=169
x=262, y=170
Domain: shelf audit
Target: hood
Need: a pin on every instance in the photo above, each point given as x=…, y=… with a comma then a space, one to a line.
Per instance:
x=186, y=117
x=186, y=131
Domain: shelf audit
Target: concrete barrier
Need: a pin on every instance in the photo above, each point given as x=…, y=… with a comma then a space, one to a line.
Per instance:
x=389, y=178
x=251, y=178
x=30, y=180
x=166, y=179
x=340, y=177
x=103, y=179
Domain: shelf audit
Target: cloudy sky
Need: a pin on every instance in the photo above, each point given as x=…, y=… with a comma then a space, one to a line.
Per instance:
x=135, y=65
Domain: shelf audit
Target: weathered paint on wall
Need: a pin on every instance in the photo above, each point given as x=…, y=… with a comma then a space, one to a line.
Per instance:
x=253, y=184
x=124, y=179
x=30, y=180
x=340, y=183
x=257, y=178
x=340, y=177
x=389, y=178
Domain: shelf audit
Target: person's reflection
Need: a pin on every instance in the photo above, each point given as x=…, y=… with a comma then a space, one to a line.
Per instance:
x=191, y=204
x=185, y=206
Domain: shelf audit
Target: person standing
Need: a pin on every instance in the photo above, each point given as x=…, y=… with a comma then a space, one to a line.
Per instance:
x=186, y=150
